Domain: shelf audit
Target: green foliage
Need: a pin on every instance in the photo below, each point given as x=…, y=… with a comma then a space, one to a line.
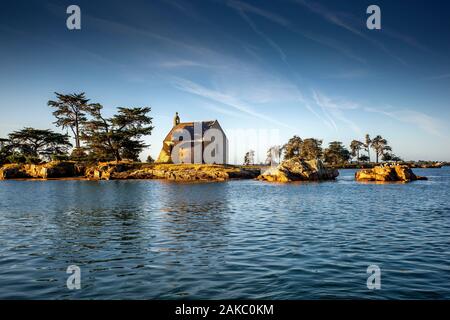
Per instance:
x=387, y=156
x=336, y=153
x=3, y=157
x=60, y=157
x=307, y=149
x=78, y=154
x=293, y=147
x=35, y=142
x=32, y=160
x=70, y=112
x=356, y=146
x=5, y=150
x=150, y=159
x=117, y=137
x=16, y=157
x=311, y=149
x=364, y=158
x=379, y=145
x=3, y=143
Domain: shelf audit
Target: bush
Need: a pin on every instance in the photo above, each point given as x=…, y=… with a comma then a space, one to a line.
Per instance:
x=16, y=158
x=3, y=157
x=78, y=154
x=93, y=157
x=32, y=160
x=150, y=159
x=59, y=157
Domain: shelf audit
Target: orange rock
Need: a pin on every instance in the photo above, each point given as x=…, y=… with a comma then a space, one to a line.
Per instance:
x=297, y=169
x=388, y=173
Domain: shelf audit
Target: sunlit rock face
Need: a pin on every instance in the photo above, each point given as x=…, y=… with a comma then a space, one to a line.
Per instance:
x=386, y=173
x=55, y=169
x=12, y=171
x=175, y=172
x=106, y=170
x=297, y=169
x=121, y=170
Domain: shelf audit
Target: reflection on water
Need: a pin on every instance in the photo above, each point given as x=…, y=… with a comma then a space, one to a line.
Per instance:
x=239, y=239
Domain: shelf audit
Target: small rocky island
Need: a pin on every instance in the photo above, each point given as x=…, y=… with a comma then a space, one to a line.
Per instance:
x=122, y=170
x=386, y=173
x=297, y=169
x=294, y=169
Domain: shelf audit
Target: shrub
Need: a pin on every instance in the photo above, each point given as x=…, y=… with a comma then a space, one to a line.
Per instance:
x=60, y=157
x=16, y=158
x=32, y=160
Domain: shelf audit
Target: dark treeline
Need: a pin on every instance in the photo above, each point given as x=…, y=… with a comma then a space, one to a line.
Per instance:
x=335, y=154
x=97, y=138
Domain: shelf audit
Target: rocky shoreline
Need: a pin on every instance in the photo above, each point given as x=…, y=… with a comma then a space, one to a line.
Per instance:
x=291, y=170
x=126, y=170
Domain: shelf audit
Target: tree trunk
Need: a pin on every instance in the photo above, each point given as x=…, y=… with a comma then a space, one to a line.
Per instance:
x=117, y=155
x=77, y=134
x=77, y=139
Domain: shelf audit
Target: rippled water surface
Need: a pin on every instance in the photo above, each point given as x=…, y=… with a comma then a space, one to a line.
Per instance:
x=239, y=239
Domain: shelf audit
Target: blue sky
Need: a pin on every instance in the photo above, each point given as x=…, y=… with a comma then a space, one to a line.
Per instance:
x=303, y=67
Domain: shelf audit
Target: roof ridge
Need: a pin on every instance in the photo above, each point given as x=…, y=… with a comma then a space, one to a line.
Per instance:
x=191, y=122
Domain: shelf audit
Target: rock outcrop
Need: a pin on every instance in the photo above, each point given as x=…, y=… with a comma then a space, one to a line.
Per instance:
x=107, y=170
x=127, y=170
x=54, y=169
x=388, y=173
x=13, y=171
x=297, y=169
x=175, y=172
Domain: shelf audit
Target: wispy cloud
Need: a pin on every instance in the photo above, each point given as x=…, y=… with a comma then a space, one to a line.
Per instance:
x=330, y=43
x=223, y=99
x=242, y=8
x=182, y=63
x=350, y=74
x=238, y=5
x=407, y=40
x=224, y=111
x=334, y=109
x=345, y=21
x=185, y=8
x=416, y=118
x=439, y=77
